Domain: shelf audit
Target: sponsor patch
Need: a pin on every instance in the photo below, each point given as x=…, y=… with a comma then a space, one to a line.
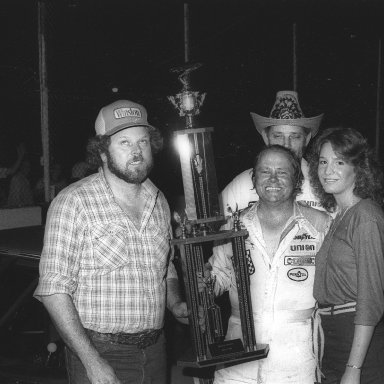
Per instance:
x=251, y=267
x=300, y=260
x=303, y=247
x=304, y=236
x=120, y=113
x=298, y=274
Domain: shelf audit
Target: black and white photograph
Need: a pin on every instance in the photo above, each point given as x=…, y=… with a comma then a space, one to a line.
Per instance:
x=191, y=192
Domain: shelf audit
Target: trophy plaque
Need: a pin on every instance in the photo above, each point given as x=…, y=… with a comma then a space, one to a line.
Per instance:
x=202, y=210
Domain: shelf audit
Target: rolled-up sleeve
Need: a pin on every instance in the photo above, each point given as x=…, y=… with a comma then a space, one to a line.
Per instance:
x=63, y=241
x=171, y=272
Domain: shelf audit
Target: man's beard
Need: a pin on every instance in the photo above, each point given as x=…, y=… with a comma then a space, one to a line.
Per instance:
x=135, y=176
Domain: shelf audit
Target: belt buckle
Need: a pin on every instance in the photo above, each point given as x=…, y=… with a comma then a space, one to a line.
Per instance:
x=145, y=340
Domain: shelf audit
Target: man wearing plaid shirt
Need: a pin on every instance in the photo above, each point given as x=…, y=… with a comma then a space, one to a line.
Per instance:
x=106, y=274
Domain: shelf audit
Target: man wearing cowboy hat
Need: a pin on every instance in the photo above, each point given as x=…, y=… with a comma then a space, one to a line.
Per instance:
x=286, y=126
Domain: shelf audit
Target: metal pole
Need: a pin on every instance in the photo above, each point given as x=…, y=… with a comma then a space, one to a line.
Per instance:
x=189, y=122
x=294, y=57
x=378, y=102
x=186, y=33
x=43, y=95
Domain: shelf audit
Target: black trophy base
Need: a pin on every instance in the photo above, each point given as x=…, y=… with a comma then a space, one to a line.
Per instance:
x=227, y=352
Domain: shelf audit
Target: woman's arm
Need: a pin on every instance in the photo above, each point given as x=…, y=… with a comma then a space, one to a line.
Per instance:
x=361, y=339
x=368, y=246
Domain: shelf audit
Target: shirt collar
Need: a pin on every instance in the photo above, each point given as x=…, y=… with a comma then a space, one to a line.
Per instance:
x=250, y=214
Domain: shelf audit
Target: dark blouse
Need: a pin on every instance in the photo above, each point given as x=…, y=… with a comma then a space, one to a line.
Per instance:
x=350, y=263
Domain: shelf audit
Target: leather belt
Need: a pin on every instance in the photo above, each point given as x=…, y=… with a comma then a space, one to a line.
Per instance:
x=142, y=339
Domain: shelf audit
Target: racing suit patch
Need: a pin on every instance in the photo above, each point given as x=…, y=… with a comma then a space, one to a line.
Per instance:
x=298, y=274
x=307, y=260
x=251, y=267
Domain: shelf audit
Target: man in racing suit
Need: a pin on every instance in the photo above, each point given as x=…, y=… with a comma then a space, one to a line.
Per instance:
x=284, y=237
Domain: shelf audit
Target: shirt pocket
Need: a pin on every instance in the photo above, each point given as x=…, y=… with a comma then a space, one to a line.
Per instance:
x=160, y=242
x=109, y=246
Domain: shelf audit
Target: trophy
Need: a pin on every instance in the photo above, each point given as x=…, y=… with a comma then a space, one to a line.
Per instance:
x=196, y=236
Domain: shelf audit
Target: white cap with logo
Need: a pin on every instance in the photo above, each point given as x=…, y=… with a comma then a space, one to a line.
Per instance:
x=120, y=115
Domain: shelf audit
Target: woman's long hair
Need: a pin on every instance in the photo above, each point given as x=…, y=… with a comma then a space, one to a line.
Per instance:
x=353, y=148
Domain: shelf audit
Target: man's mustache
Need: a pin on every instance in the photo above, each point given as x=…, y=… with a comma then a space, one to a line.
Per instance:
x=137, y=157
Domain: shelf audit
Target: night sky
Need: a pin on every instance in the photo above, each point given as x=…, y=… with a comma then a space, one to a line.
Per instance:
x=245, y=49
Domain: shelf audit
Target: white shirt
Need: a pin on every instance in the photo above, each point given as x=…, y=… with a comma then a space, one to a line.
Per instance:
x=281, y=296
x=274, y=285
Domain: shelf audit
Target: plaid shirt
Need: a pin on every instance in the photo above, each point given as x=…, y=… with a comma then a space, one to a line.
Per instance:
x=115, y=273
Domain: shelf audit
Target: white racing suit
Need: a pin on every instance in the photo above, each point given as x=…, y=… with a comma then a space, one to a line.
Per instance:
x=281, y=296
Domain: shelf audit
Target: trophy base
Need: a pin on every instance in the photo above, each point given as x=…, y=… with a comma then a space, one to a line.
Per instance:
x=235, y=357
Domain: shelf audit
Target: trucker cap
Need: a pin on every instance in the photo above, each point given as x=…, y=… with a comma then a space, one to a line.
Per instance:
x=120, y=115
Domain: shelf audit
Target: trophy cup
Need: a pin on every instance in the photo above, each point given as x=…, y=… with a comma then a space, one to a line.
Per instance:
x=201, y=211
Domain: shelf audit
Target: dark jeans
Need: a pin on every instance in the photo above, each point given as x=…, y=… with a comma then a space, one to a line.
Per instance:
x=338, y=332
x=131, y=364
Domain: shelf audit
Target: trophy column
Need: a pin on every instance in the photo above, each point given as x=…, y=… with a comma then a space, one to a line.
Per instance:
x=202, y=209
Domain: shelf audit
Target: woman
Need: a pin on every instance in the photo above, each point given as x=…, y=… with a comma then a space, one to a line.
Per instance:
x=349, y=279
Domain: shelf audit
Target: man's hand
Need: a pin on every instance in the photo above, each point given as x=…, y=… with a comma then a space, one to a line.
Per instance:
x=66, y=319
x=100, y=372
x=180, y=311
x=203, y=278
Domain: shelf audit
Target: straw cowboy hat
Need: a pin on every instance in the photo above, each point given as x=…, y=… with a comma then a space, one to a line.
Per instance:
x=286, y=111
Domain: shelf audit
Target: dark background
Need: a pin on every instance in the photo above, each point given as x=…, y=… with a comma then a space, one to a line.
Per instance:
x=246, y=51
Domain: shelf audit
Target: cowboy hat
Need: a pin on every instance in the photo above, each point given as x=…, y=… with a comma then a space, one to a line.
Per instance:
x=287, y=111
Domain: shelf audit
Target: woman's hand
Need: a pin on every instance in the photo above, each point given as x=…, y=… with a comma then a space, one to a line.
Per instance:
x=351, y=376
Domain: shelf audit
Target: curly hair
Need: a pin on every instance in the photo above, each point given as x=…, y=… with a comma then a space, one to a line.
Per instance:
x=352, y=148
x=100, y=143
x=298, y=177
